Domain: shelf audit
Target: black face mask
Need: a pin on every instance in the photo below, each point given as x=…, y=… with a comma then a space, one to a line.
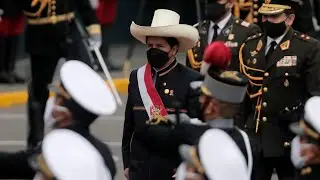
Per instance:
x=157, y=58
x=274, y=30
x=215, y=11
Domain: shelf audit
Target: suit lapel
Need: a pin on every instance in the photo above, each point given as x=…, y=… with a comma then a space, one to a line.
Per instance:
x=282, y=46
x=261, y=58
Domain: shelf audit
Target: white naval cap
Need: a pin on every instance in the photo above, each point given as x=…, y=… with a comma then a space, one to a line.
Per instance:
x=310, y=125
x=217, y=156
x=87, y=88
x=69, y=156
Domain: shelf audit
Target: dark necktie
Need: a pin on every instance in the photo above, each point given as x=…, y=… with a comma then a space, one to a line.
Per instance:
x=215, y=33
x=271, y=50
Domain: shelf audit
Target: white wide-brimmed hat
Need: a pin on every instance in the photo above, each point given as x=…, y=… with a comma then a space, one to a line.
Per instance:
x=69, y=156
x=165, y=23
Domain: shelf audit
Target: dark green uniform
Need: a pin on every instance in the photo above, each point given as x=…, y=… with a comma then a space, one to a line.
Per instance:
x=278, y=89
x=234, y=34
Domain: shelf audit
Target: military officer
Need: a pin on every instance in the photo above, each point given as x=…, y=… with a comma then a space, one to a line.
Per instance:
x=215, y=157
x=305, y=150
x=75, y=106
x=220, y=25
x=152, y=90
x=51, y=34
x=282, y=66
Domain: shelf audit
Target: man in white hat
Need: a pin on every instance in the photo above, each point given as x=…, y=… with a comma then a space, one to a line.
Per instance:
x=305, y=149
x=152, y=92
x=75, y=106
x=215, y=157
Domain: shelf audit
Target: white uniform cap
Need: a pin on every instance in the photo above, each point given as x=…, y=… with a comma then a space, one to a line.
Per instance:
x=87, y=88
x=69, y=156
x=311, y=120
x=219, y=155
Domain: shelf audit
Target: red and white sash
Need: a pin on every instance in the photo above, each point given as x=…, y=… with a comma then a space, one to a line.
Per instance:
x=149, y=94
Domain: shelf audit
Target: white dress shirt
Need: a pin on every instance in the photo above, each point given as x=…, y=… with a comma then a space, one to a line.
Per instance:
x=269, y=40
x=220, y=24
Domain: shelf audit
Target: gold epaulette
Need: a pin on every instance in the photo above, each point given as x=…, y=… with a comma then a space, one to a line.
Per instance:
x=242, y=23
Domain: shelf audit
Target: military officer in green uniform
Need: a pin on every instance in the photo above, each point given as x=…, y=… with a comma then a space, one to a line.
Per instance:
x=283, y=69
x=305, y=150
x=220, y=25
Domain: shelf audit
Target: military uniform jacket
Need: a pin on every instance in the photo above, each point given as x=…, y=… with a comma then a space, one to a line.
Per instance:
x=279, y=88
x=51, y=23
x=145, y=147
x=235, y=32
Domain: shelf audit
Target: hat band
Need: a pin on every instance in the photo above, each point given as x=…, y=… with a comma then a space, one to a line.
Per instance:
x=277, y=6
x=222, y=91
x=196, y=161
x=309, y=131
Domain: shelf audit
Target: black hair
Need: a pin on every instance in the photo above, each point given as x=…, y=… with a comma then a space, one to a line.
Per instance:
x=170, y=40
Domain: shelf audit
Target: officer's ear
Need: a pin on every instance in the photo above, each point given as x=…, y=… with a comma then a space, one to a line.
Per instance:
x=290, y=19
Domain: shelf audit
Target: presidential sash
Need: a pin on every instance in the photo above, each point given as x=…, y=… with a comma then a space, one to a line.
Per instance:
x=150, y=97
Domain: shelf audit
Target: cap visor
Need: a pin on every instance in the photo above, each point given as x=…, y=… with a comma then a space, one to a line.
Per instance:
x=296, y=129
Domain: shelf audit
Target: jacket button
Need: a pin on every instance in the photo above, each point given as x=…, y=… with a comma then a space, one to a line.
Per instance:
x=286, y=144
x=264, y=104
x=265, y=89
x=266, y=74
x=264, y=119
x=286, y=74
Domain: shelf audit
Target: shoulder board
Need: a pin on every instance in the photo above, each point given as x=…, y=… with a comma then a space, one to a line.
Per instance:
x=242, y=22
x=197, y=24
x=302, y=36
x=254, y=36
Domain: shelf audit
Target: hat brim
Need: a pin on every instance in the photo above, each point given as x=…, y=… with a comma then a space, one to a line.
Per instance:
x=62, y=149
x=272, y=9
x=87, y=88
x=296, y=129
x=186, y=35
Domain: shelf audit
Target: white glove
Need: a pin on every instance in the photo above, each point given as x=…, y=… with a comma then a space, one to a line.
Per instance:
x=95, y=41
x=94, y=3
x=184, y=118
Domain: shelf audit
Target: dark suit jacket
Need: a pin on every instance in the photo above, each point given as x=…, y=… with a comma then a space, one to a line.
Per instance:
x=144, y=147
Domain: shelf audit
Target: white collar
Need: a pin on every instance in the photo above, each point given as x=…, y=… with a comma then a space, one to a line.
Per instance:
x=221, y=23
x=278, y=39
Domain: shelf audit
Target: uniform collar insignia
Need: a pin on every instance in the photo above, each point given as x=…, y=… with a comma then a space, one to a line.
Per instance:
x=285, y=45
x=227, y=31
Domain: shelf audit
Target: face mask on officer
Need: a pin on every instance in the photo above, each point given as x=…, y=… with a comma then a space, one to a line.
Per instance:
x=161, y=51
x=276, y=25
x=215, y=10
